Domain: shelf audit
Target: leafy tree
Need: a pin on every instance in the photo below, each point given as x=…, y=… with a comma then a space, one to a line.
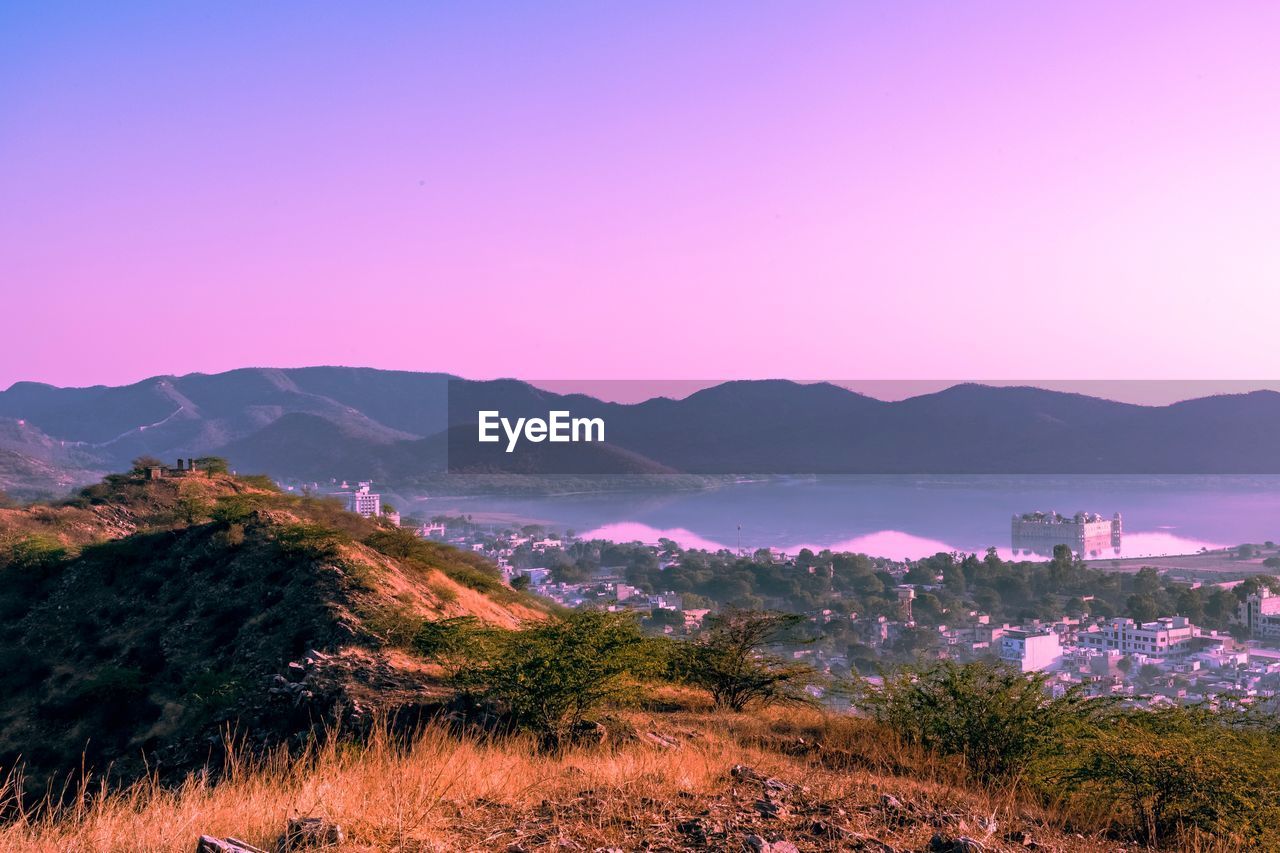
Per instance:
x=927, y=609
x=729, y=661
x=660, y=616
x=142, y=463
x=212, y=464
x=191, y=509
x=921, y=572
x=1149, y=673
x=1142, y=608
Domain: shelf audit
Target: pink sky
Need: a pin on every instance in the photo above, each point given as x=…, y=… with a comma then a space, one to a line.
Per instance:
x=578, y=190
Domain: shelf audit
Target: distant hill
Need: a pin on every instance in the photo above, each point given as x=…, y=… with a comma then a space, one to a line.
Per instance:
x=314, y=424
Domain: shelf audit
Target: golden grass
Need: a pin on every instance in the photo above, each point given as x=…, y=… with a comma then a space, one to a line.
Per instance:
x=445, y=792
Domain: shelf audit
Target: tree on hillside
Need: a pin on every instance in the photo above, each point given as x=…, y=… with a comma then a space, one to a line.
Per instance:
x=730, y=662
x=212, y=464
x=142, y=463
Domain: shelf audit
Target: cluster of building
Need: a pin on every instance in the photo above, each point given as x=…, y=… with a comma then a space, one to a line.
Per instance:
x=1166, y=660
x=606, y=589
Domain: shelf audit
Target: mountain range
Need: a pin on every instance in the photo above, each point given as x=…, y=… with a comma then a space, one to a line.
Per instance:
x=402, y=428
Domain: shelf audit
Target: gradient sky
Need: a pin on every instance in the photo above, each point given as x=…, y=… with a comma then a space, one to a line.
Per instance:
x=644, y=190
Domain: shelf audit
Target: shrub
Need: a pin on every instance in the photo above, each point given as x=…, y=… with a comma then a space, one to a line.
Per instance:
x=260, y=481
x=459, y=645
x=546, y=679
x=309, y=539
x=1180, y=771
x=445, y=591
x=234, y=509
x=36, y=553
x=140, y=465
x=728, y=660
x=191, y=509
x=997, y=719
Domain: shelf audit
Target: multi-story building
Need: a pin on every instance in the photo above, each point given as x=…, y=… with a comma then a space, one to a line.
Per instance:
x=1260, y=613
x=1169, y=635
x=1032, y=650
x=361, y=500
x=364, y=501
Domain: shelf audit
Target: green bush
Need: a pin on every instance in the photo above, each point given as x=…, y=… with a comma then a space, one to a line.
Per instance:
x=309, y=539
x=1177, y=772
x=998, y=720
x=395, y=625
x=546, y=679
x=236, y=509
x=260, y=481
x=32, y=553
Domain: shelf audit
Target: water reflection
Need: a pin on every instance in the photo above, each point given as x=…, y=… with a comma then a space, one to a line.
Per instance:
x=908, y=517
x=897, y=545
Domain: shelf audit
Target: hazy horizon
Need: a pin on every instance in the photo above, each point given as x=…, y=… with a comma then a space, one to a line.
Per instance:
x=629, y=391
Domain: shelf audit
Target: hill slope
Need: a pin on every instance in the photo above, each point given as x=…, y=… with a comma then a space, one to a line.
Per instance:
x=141, y=618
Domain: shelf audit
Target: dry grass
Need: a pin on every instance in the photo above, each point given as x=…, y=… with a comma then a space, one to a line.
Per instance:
x=670, y=786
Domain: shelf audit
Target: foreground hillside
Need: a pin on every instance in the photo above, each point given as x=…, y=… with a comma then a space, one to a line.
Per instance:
x=142, y=617
x=678, y=780
x=201, y=654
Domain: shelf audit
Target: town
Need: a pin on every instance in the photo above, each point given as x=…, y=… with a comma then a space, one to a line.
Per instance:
x=1226, y=644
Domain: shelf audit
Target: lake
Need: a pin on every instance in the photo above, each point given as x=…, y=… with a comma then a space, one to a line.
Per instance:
x=908, y=516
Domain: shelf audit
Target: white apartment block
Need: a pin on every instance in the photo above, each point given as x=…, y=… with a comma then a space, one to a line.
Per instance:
x=1169, y=635
x=1032, y=651
x=1260, y=613
x=361, y=500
